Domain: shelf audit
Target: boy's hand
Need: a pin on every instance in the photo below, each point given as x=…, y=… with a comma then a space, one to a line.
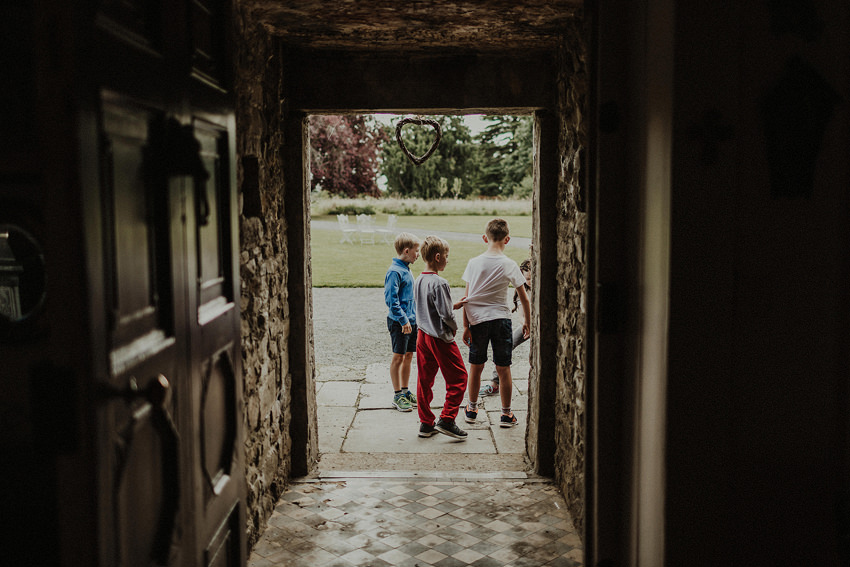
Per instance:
x=461, y=302
x=467, y=336
x=407, y=329
x=526, y=332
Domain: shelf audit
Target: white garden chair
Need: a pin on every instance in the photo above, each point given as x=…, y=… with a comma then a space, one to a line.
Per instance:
x=366, y=229
x=388, y=233
x=346, y=229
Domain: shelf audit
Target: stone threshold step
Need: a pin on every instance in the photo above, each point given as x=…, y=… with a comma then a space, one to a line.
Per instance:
x=455, y=476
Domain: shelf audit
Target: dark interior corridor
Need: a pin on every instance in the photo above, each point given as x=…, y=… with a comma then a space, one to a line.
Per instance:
x=689, y=393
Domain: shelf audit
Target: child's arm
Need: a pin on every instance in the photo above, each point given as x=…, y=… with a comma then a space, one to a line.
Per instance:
x=443, y=306
x=467, y=334
x=392, y=283
x=526, y=311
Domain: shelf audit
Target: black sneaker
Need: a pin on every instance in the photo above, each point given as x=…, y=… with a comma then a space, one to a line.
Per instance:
x=469, y=415
x=451, y=429
x=507, y=420
x=426, y=430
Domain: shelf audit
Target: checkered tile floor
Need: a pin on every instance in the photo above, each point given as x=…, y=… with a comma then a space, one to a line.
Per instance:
x=406, y=522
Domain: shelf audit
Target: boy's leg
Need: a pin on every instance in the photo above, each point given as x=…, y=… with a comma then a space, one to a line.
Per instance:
x=502, y=351
x=404, y=374
x=395, y=370
x=399, y=346
x=412, y=342
x=505, y=385
x=475, y=371
x=516, y=340
x=454, y=372
x=479, y=340
x=426, y=371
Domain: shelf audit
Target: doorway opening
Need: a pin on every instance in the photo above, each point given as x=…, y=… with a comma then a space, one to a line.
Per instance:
x=548, y=85
x=482, y=168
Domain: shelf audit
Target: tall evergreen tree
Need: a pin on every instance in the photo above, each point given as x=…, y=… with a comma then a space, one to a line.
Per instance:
x=506, y=154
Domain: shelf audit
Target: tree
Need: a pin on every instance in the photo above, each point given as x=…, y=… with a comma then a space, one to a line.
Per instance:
x=344, y=154
x=453, y=158
x=506, y=155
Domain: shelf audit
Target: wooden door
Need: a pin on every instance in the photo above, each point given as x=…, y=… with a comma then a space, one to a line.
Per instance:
x=159, y=199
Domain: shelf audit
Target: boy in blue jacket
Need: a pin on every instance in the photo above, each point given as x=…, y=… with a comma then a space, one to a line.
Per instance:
x=401, y=320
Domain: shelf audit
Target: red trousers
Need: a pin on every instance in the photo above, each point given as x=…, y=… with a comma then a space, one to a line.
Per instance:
x=431, y=355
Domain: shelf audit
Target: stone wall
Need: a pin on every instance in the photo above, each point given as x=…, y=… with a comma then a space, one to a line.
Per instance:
x=263, y=267
x=572, y=272
x=268, y=380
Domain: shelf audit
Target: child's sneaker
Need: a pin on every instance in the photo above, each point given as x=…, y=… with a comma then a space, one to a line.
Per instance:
x=507, y=420
x=426, y=430
x=410, y=398
x=469, y=415
x=401, y=404
x=488, y=390
x=451, y=429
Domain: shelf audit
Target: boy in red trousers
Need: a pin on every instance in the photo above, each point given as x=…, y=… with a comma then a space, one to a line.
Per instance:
x=435, y=347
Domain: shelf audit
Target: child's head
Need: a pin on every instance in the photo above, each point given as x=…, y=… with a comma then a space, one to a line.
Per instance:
x=431, y=246
x=497, y=230
x=407, y=247
x=525, y=267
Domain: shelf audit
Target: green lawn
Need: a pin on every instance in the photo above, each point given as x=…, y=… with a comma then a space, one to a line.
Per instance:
x=336, y=264
x=519, y=225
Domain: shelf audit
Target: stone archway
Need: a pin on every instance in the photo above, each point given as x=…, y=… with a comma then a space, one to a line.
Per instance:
x=279, y=85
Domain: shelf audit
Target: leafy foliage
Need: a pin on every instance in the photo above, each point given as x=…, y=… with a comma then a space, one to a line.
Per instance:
x=350, y=152
x=454, y=158
x=344, y=154
x=506, y=156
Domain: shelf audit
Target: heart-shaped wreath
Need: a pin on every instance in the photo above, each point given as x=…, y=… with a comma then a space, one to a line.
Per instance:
x=422, y=122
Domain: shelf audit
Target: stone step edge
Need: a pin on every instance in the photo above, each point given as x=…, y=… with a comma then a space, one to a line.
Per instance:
x=457, y=476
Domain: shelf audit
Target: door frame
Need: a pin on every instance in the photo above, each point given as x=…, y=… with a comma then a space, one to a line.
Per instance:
x=629, y=192
x=331, y=82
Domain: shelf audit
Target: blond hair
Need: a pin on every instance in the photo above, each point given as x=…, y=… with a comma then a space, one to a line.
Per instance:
x=431, y=246
x=405, y=240
x=497, y=230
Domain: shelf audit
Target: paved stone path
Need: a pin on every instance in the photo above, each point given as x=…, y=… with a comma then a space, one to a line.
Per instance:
x=382, y=522
x=386, y=497
x=354, y=393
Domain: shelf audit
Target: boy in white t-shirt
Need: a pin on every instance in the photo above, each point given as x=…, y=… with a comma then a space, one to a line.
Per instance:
x=487, y=317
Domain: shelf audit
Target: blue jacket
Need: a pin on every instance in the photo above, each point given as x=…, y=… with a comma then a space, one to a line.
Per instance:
x=398, y=293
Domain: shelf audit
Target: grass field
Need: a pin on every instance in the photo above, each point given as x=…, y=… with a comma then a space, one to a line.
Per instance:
x=324, y=204
x=336, y=264
x=472, y=224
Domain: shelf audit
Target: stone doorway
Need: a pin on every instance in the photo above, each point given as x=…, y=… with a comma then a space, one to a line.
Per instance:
x=279, y=86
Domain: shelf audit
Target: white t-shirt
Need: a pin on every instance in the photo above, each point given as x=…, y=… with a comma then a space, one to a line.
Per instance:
x=488, y=276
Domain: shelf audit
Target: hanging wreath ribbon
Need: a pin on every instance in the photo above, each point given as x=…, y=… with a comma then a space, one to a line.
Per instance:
x=418, y=160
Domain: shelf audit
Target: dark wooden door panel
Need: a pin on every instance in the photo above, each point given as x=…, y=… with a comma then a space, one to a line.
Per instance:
x=213, y=226
x=140, y=465
x=224, y=548
x=146, y=482
x=219, y=423
x=208, y=39
x=133, y=21
x=170, y=458
x=129, y=232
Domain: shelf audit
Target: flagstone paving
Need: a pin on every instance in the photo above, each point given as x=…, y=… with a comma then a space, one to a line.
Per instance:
x=376, y=522
x=384, y=496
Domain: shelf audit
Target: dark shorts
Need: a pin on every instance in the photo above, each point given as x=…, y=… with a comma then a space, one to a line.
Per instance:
x=402, y=343
x=496, y=332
